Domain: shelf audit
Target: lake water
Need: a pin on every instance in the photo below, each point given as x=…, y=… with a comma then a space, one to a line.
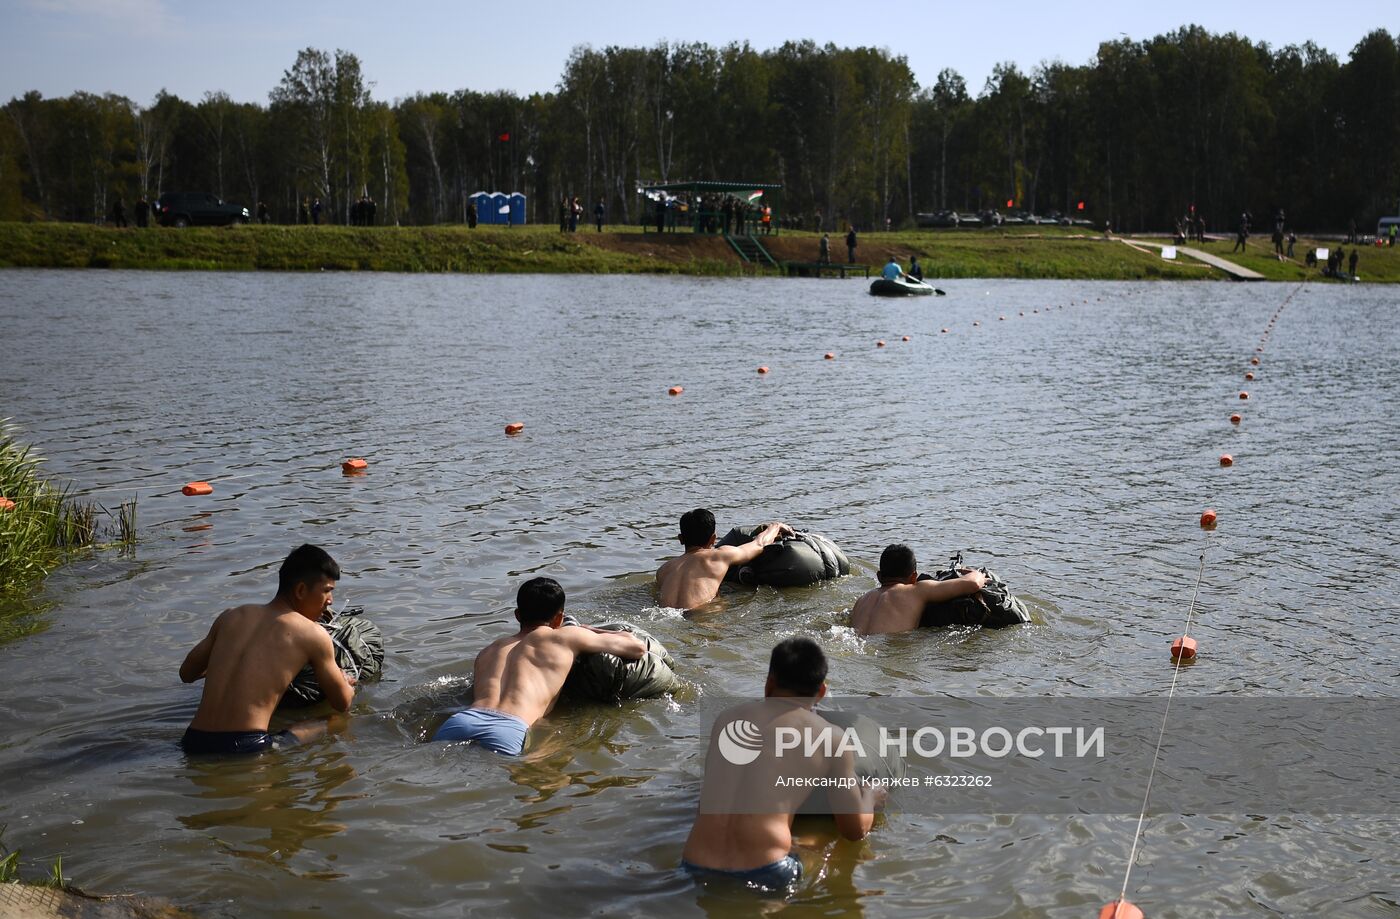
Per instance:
x=1071, y=448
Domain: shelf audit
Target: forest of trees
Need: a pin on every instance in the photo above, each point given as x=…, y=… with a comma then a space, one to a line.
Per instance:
x=1138, y=134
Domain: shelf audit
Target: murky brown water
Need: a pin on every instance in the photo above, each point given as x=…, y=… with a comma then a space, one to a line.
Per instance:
x=1071, y=448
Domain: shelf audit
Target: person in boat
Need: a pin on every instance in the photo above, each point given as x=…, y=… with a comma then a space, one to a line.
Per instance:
x=898, y=603
x=693, y=578
x=892, y=271
x=916, y=271
x=755, y=849
x=516, y=679
x=253, y=651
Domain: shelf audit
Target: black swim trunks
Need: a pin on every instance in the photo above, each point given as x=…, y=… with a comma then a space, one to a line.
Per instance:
x=203, y=743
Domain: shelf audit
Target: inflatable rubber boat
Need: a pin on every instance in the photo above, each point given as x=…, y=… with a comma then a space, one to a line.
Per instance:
x=792, y=561
x=901, y=287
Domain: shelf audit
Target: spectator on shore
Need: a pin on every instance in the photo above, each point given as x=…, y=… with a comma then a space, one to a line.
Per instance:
x=316, y=212
x=1278, y=243
x=599, y=212
x=851, y=246
x=824, y=258
x=118, y=213
x=1241, y=235
x=264, y=217
x=1292, y=238
x=304, y=212
x=1310, y=259
x=1351, y=265
x=471, y=215
x=564, y=214
x=1393, y=228
x=142, y=210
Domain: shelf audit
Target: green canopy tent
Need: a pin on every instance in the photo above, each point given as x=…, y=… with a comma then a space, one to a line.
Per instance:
x=699, y=205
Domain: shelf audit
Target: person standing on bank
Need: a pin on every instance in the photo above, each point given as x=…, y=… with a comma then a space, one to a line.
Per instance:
x=851, y=245
x=599, y=212
x=824, y=257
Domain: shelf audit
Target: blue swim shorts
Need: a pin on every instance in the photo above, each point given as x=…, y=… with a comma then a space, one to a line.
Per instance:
x=780, y=877
x=206, y=743
x=496, y=731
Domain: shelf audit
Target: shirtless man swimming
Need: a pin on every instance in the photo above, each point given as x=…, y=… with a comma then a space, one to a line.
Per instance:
x=253, y=651
x=693, y=579
x=756, y=848
x=898, y=603
x=516, y=679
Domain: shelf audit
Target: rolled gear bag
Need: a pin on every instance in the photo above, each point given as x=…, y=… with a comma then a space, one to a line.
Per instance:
x=870, y=764
x=609, y=678
x=359, y=652
x=993, y=607
x=792, y=561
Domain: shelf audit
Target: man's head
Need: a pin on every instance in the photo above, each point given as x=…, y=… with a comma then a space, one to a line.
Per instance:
x=897, y=565
x=796, y=668
x=307, y=579
x=697, y=528
x=539, y=601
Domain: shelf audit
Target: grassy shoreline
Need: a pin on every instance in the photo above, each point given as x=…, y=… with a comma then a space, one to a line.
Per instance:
x=1030, y=252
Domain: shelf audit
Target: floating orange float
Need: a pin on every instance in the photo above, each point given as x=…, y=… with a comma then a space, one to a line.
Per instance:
x=763, y=370
x=1243, y=394
x=676, y=390
x=880, y=343
x=1235, y=418
x=1208, y=518
x=1226, y=459
x=1120, y=909
x=515, y=427
x=943, y=330
x=1254, y=361
x=353, y=466
x=1249, y=376
x=1184, y=648
x=197, y=488
x=976, y=323
x=1001, y=319
x=829, y=356
x=1021, y=313
x=6, y=504
x=906, y=338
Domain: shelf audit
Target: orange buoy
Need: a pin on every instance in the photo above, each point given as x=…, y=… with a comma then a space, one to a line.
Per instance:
x=829, y=356
x=906, y=338
x=1235, y=418
x=1258, y=349
x=515, y=427
x=943, y=330
x=6, y=504
x=763, y=369
x=1001, y=319
x=1208, y=519
x=1184, y=648
x=1249, y=376
x=353, y=466
x=1243, y=394
x=880, y=343
x=1120, y=909
x=676, y=390
x=1254, y=361
x=197, y=488
x=976, y=323
x=1226, y=459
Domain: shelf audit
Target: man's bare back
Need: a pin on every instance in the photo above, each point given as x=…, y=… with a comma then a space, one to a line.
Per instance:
x=522, y=674
x=897, y=607
x=694, y=579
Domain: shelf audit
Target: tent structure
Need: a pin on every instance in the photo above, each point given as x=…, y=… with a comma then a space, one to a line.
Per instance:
x=698, y=205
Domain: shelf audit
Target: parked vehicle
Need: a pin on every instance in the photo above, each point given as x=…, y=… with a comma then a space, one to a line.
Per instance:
x=197, y=209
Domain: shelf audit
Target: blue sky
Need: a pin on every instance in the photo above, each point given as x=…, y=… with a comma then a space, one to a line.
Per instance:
x=137, y=47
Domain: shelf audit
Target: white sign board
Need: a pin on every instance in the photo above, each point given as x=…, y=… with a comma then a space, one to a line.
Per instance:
x=1169, y=252
x=1322, y=254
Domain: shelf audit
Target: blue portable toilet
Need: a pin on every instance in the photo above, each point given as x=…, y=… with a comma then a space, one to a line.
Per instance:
x=482, y=200
x=500, y=207
x=517, y=208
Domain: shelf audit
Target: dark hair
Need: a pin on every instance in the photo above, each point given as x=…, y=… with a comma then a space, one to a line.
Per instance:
x=303, y=565
x=896, y=563
x=798, y=666
x=538, y=600
x=697, y=527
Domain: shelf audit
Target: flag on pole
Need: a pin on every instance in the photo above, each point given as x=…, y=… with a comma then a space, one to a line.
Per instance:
x=754, y=196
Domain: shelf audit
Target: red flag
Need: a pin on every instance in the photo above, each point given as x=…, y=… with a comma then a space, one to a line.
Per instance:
x=1010, y=202
x=505, y=136
x=1081, y=205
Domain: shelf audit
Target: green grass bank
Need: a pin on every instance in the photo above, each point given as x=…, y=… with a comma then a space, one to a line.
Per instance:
x=1030, y=252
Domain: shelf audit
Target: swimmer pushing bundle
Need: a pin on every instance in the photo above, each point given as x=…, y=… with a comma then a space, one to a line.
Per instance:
x=791, y=561
x=993, y=607
x=359, y=652
x=608, y=678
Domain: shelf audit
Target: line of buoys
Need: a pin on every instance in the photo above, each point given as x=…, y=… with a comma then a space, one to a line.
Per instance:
x=1254, y=361
x=197, y=488
x=1243, y=394
x=354, y=466
x=515, y=427
x=1249, y=376
x=675, y=390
